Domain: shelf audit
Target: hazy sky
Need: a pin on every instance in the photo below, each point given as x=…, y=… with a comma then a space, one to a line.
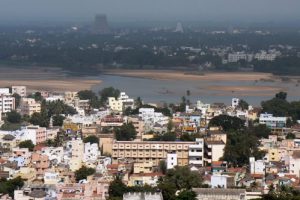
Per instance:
x=162, y=10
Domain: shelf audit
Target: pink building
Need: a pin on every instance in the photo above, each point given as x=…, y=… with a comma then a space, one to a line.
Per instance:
x=41, y=135
x=40, y=162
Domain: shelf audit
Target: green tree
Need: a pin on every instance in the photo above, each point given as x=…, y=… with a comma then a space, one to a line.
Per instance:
x=117, y=188
x=126, y=132
x=260, y=131
x=169, y=136
x=281, y=95
x=27, y=144
x=84, y=172
x=36, y=96
x=9, y=186
x=91, y=96
x=10, y=127
x=290, y=136
x=86, y=95
x=58, y=120
x=240, y=146
x=40, y=119
x=13, y=117
x=57, y=108
x=127, y=111
x=17, y=99
x=179, y=178
x=187, y=195
x=108, y=92
x=227, y=122
x=183, y=104
x=243, y=104
x=170, y=125
x=278, y=106
x=93, y=139
x=188, y=93
x=138, y=102
x=189, y=137
x=162, y=166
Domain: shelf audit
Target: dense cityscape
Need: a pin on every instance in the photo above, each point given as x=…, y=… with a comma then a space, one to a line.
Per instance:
x=149, y=100
x=86, y=145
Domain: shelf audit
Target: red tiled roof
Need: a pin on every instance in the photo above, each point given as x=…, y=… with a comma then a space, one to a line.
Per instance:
x=235, y=169
x=257, y=175
x=39, y=147
x=217, y=163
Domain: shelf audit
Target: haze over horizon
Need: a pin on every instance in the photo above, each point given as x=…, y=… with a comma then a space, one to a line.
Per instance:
x=151, y=10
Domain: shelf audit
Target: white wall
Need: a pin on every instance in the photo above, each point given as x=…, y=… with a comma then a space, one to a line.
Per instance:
x=171, y=160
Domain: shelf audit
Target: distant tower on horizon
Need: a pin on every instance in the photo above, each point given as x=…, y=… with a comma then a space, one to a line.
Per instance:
x=100, y=24
x=179, y=28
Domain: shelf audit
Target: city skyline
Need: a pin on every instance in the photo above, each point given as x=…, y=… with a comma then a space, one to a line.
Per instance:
x=166, y=10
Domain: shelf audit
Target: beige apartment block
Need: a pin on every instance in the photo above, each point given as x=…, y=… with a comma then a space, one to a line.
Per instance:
x=20, y=90
x=28, y=106
x=150, y=151
x=139, y=126
x=70, y=97
x=106, y=143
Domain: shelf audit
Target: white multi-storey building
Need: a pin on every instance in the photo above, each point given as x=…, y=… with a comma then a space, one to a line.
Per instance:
x=4, y=91
x=293, y=163
x=235, y=102
x=257, y=166
x=171, y=160
x=150, y=116
x=202, y=107
x=20, y=90
x=122, y=102
x=55, y=154
x=196, y=152
x=7, y=103
x=91, y=152
x=263, y=55
x=34, y=133
x=235, y=57
x=272, y=122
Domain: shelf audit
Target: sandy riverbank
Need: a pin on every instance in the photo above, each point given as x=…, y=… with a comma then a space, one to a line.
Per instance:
x=51, y=79
x=178, y=75
x=53, y=85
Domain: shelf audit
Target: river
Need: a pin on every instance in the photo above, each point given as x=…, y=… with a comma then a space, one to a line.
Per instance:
x=171, y=91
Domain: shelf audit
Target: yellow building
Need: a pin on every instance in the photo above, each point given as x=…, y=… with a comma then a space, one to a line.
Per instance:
x=75, y=164
x=26, y=173
x=70, y=97
x=77, y=154
x=274, y=155
x=71, y=126
x=144, y=179
x=115, y=104
x=150, y=151
x=144, y=167
x=105, y=143
x=28, y=106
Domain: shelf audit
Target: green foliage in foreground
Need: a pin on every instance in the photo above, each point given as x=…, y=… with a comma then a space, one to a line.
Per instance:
x=126, y=132
x=91, y=139
x=27, y=144
x=83, y=173
x=180, y=179
x=9, y=186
